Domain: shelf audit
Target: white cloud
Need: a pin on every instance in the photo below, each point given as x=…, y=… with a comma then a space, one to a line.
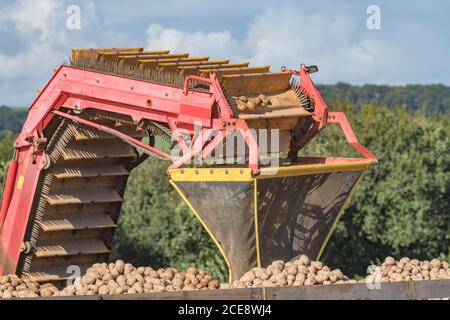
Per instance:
x=31, y=17
x=331, y=34
x=45, y=43
x=335, y=39
x=200, y=42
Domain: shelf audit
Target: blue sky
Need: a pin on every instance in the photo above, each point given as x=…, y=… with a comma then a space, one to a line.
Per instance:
x=412, y=46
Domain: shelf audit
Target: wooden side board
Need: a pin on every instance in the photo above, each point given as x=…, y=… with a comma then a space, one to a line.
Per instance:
x=409, y=290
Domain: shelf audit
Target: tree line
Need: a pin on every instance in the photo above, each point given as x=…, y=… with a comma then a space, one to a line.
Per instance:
x=429, y=99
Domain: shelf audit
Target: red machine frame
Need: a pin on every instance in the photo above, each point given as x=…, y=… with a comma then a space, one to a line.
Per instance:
x=79, y=89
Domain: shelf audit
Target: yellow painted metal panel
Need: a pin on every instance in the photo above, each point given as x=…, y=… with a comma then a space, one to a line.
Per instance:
x=298, y=170
x=211, y=174
x=256, y=83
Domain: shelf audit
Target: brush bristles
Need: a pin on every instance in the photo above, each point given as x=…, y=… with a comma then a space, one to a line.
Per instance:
x=304, y=99
x=136, y=71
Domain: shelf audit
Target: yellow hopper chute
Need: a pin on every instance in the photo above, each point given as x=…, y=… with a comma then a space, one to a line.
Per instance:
x=278, y=214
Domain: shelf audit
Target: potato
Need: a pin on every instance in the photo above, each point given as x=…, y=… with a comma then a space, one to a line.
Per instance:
x=248, y=277
x=241, y=106
x=435, y=263
x=213, y=284
x=103, y=290
x=188, y=287
x=82, y=291
x=46, y=292
x=304, y=260
x=303, y=269
x=4, y=280
x=99, y=283
x=93, y=288
x=317, y=264
x=195, y=281
x=291, y=270
x=131, y=291
x=408, y=267
x=415, y=262
x=130, y=280
x=121, y=280
x=278, y=265
x=15, y=281
x=140, y=270
x=312, y=269
x=333, y=277
x=21, y=286
x=198, y=286
x=199, y=277
x=281, y=282
x=310, y=281
x=280, y=277
x=160, y=288
x=107, y=276
x=396, y=277
x=154, y=274
x=267, y=283
x=257, y=282
x=177, y=283
x=95, y=274
x=192, y=270
x=148, y=287
x=128, y=268
x=87, y=279
x=338, y=273
x=139, y=278
x=290, y=279
x=180, y=275
x=321, y=277
x=138, y=287
x=258, y=101
x=404, y=260
x=251, y=105
x=389, y=261
x=405, y=273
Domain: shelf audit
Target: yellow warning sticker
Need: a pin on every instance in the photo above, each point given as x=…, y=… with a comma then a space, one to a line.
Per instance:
x=20, y=182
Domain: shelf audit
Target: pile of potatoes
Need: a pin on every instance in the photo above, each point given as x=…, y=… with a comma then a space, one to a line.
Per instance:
x=407, y=269
x=301, y=271
x=113, y=278
x=13, y=286
x=120, y=277
x=251, y=103
x=123, y=278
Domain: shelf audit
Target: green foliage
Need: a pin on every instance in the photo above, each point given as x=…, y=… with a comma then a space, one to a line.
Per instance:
x=11, y=120
x=158, y=229
x=431, y=99
x=401, y=207
x=6, y=150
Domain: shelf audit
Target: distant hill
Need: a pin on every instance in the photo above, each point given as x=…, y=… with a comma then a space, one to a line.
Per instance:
x=11, y=119
x=431, y=99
